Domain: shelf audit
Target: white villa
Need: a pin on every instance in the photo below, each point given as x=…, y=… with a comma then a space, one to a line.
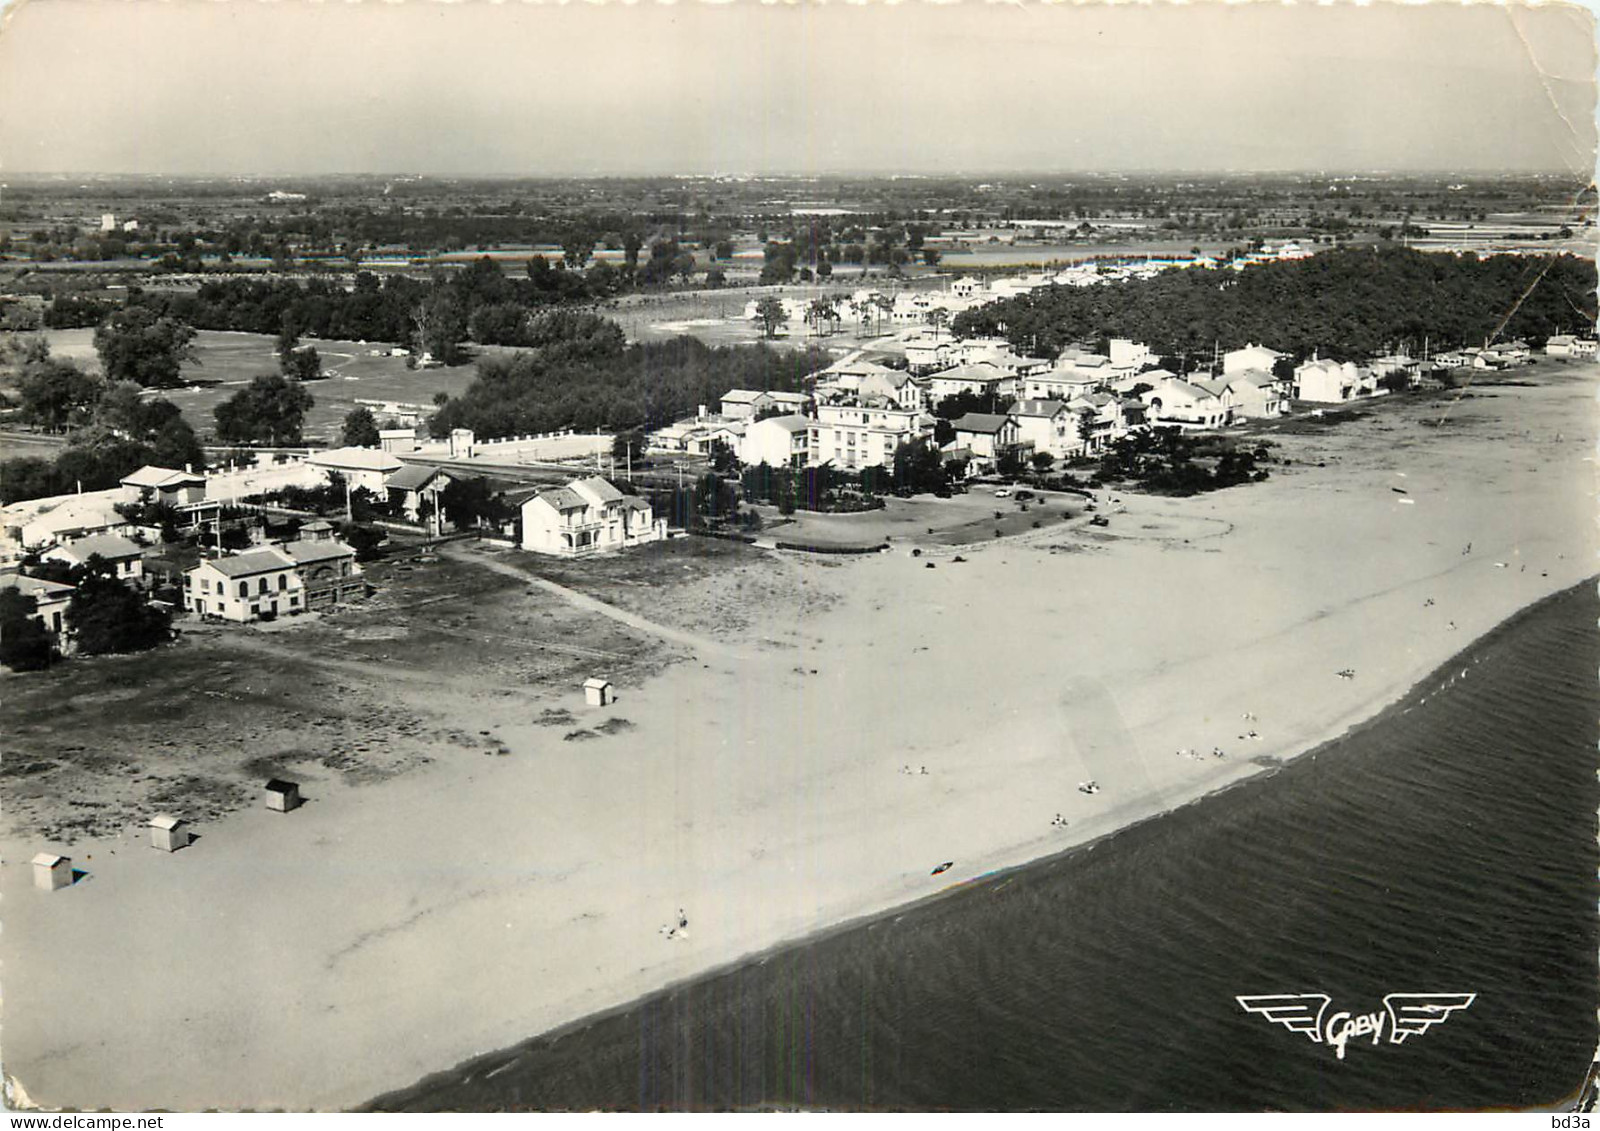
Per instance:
x=244, y=587
x=777, y=441
x=927, y=354
x=1048, y=425
x=1188, y=405
x=856, y=436
x=175, y=488
x=273, y=580
x=1330, y=382
x=589, y=516
x=893, y=386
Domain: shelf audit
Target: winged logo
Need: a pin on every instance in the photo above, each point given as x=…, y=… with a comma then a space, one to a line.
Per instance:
x=1407, y=1016
x=1299, y=1013
x=1414, y=1014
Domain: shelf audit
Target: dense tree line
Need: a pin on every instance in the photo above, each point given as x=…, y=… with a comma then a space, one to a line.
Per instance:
x=1345, y=304
x=1165, y=461
x=113, y=430
x=587, y=378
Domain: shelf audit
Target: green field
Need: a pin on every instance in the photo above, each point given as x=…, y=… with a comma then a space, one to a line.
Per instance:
x=229, y=360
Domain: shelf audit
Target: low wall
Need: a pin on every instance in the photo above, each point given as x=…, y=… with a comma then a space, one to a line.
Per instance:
x=228, y=485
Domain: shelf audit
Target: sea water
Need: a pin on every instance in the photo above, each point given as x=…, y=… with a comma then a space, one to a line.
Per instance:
x=1447, y=847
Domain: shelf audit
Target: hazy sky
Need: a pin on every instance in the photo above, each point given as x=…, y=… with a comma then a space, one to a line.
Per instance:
x=293, y=86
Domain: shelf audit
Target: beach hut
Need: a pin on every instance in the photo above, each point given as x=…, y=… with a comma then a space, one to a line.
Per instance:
x=597, y=692
x=282, y=795
x=51, y=871
x=168, y=833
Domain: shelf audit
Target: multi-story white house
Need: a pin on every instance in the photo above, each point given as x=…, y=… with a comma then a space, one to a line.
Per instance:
x=1187, y=405
x=986, y=437
x=1326, y=382
x=1129, y=356
x=1511, y=353
x=843, y=378
x=968, y=288
x=892, y=386
x=314, y=571
x=1048, y=425
x=589, y=516
x=927, y=355
x=1098, y=419
x=244, y=587
x=853, y=436
x=777, y=441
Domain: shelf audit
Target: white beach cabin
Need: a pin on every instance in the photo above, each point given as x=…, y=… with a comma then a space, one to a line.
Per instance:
x=597, y=692
x=283, y=795
x=168, y=833
x=51, y=871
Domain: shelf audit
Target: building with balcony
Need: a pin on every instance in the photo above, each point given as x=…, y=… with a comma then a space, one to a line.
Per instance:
x=589, y=516
x=854, y=436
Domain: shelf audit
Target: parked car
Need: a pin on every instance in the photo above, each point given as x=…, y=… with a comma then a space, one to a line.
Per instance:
x=1003, y=493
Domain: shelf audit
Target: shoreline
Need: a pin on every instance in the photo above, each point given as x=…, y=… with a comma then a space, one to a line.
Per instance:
x=498, y=1059
x=763, y=789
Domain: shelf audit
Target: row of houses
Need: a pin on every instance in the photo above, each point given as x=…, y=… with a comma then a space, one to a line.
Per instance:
x=123, y=556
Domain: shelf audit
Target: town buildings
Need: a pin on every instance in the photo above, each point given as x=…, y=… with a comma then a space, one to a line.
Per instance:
x=1567, y=345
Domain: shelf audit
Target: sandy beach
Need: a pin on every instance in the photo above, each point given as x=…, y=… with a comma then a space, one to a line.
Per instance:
x=770, y=783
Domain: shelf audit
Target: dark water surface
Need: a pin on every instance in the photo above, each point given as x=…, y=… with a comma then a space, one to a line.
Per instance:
x=1448, y=846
